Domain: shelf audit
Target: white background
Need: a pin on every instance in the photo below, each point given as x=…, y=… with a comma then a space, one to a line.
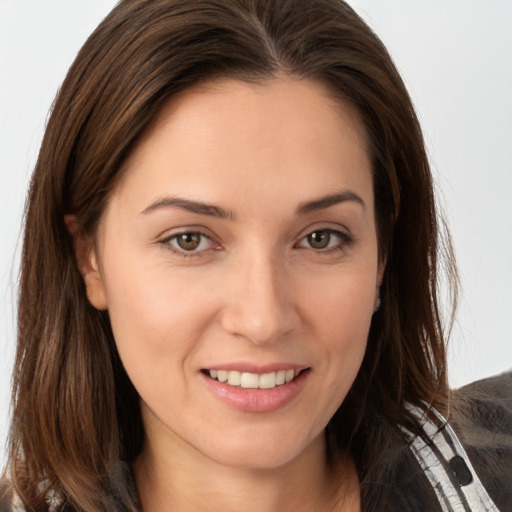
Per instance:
x=456, y=58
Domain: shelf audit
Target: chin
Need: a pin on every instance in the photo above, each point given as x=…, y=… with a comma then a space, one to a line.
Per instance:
x=256, y=459
x=261, y=451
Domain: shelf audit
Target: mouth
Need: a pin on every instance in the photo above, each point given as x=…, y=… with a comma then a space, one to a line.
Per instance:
x=248, y=380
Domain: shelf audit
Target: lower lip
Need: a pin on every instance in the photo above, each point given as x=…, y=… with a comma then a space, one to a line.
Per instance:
x=257, y=400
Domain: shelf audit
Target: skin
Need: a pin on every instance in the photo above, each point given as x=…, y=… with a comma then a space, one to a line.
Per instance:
x=255, y=290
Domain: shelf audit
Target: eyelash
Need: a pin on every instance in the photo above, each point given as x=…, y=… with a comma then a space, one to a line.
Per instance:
x=344, y=240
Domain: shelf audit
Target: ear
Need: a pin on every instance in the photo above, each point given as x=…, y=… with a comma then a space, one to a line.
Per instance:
x=87, y=262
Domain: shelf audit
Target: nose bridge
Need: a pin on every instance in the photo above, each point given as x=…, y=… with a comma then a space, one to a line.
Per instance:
x=260, y=306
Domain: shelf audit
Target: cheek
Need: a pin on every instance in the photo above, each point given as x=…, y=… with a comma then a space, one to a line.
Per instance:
x=157, y=328
x=343, y=304
x=340, y=313
x=155, y=321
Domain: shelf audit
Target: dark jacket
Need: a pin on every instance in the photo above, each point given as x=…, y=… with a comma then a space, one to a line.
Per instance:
x=481, y=417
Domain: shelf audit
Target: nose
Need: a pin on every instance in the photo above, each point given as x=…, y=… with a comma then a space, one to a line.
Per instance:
x=260, y=305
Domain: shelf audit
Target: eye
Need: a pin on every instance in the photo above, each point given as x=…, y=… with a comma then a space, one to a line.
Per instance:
x=325, y=239
x=190, y=241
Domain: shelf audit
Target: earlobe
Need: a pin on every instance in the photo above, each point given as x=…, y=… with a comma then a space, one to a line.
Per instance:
x=94, y=282
x=87, y=261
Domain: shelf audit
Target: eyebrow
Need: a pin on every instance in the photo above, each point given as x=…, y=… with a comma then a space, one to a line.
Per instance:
x=191, y=206
x=330, y=200
x=216, y=211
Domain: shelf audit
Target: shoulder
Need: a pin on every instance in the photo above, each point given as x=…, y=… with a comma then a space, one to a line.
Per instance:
x=123, y=495
x=8, y=500
x=466, y=462
x=481, y=415
x=481, y=412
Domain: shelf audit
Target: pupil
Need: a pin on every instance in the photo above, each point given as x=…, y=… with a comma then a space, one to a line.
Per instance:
x=189, y=241
x=319, y=239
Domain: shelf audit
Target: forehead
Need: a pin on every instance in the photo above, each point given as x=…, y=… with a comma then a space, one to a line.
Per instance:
x=253, y=137
x=282, y=102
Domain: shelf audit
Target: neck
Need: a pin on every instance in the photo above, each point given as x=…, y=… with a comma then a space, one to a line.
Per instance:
x=184, y=480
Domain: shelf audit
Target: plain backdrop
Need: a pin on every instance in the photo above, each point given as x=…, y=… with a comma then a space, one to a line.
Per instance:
x=456, y=59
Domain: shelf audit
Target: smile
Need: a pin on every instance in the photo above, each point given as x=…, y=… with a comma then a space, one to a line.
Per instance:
x=248, y=380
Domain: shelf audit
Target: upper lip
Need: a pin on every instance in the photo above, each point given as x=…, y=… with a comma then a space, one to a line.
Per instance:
x=255, y=368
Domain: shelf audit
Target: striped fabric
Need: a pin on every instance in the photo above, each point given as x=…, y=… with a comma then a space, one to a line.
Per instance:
x=447, y=466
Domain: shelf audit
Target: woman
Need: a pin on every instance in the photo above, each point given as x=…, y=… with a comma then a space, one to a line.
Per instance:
x=228, y=294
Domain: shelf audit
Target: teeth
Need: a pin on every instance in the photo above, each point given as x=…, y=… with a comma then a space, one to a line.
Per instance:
x=250, y=380
x=254, y=380
x=234, y=378
x=268, y=380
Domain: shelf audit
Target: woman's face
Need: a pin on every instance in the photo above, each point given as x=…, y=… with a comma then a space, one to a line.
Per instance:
x=241, y=244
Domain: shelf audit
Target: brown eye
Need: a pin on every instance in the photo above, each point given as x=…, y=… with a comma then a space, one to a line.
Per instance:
x=326, y=240
x=319, y=239
x=189, y=241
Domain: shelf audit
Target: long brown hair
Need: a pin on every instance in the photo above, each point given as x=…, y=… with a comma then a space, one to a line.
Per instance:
x=76, y=414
